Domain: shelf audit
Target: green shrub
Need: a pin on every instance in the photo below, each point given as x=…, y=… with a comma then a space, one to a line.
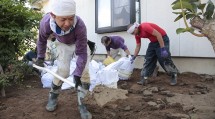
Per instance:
x=15, y=73
x=18, y=33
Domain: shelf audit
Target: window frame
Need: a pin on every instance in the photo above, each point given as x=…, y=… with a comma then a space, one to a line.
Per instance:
x=111, y=29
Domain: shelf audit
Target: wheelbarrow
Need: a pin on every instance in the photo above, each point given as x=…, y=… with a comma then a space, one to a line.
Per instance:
x=85, y=114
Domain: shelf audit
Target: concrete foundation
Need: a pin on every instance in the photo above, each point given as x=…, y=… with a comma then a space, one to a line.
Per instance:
x=195, y=65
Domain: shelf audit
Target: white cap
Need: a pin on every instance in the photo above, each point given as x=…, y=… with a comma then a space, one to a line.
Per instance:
x=132, y=28
x=63, y=7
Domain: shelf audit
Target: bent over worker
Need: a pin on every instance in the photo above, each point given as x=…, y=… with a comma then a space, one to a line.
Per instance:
x=158, y=49
x=114, y=45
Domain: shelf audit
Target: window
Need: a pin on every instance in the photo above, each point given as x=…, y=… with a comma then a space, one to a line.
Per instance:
x=116, y=15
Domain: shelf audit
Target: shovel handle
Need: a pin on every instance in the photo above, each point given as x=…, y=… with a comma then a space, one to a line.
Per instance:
x=59, y=77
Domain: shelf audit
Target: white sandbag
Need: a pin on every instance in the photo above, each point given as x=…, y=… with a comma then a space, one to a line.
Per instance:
x=100, y=76
x=47, y=78
x=66, y=85
x=108, y=78
x=123, y=66
x=115, y=65
x=126, y=69
x=94, y=67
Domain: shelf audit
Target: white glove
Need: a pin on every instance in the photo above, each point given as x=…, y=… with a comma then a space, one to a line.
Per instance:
x=130, y=57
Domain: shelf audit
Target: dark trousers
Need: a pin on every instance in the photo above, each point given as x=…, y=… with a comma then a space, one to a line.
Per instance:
x=153, y=54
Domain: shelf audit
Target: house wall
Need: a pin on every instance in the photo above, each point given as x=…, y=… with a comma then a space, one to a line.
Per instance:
x=45, y=9
x=189, y=53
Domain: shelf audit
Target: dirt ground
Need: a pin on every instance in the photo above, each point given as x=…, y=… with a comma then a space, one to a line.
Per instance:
x=192, y=98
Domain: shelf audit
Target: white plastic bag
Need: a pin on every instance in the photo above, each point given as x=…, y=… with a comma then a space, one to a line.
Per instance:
x=101, y=76
x=47, y=78
x=66, y=85
x=125, y=70
x=123, y=66
x=108, y=78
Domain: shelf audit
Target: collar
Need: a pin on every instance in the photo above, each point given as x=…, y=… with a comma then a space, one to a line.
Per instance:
x=56, y=29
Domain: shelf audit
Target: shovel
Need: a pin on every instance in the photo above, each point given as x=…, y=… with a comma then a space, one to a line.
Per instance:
x=85, y=114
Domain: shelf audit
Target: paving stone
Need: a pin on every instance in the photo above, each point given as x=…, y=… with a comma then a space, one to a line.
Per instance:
x=147, y=93
x=152, y=103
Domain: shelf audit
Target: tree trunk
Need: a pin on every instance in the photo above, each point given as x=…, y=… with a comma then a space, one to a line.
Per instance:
x=3, y=92
x=206, y=27
x=209, y=31
x=2, y=88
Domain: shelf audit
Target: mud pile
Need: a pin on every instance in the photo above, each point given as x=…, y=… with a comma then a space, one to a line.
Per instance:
x=102, y=95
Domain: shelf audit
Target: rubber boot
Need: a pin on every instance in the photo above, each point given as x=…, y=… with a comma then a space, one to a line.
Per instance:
x=85, y=114
x=52, y=101
x=143, y=81
x=173, y=79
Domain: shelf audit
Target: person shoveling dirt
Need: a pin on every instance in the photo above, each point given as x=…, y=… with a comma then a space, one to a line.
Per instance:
x=100, y=95
x=85, y=114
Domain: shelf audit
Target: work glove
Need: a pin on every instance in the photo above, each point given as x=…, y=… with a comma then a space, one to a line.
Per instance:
x=40, y=62
x=129, y=57
x=164, y=52
x=132, y=59
x=77, y=81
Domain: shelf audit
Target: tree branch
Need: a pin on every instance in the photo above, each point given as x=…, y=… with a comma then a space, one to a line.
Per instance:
x=184, y=17
x=186, y=24
x=198, y=35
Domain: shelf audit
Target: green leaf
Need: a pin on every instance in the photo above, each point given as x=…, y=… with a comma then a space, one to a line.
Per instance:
x=175, y=2
x=209, y=10
x=181, y=30
x=177, y=12
x=186, y=5
x=202, y=6
x=195, y=8
x=191, y=30
x=179, y=1
x=188, y=16
x=179, y=17
x=195, y=2
x=192, y=1
x=177, y=5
